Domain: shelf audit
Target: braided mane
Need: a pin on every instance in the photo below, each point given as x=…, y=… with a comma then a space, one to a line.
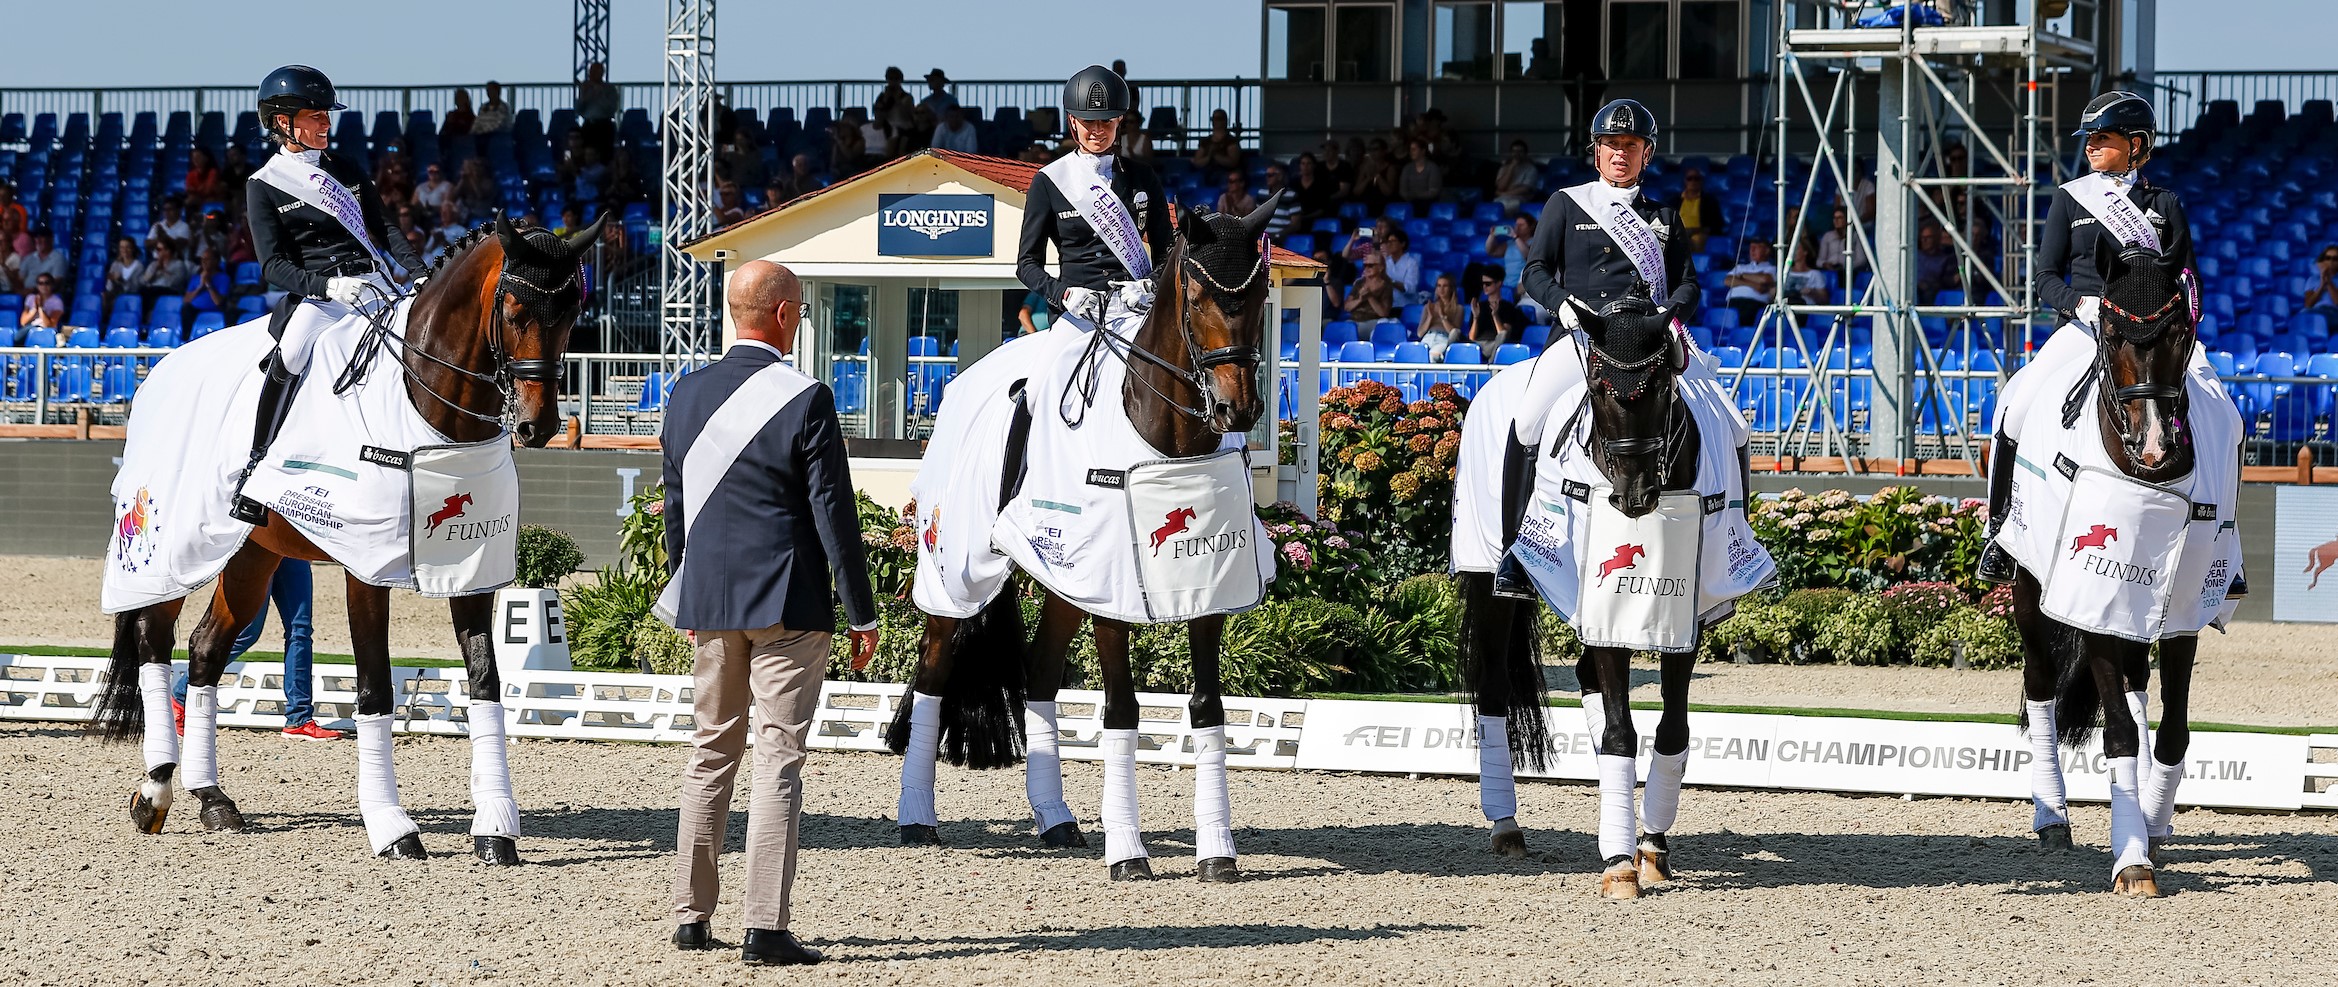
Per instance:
x=461, y=246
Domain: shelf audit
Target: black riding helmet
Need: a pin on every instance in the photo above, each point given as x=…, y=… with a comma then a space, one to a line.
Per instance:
x=2123, y=113
x=294, y=88
x=1096, y=93
x=1624, y=117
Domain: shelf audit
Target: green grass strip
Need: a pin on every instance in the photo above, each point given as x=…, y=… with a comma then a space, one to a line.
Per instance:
x=2007, y=719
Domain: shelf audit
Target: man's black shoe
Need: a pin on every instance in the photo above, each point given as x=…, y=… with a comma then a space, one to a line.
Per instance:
x=775, y=947
x=691, y=935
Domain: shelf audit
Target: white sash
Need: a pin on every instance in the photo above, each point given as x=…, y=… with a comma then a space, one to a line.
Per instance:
x=2108, y=202
x=310, y=184
x=734, y=425
x=1631, y=234
x=1091, y=194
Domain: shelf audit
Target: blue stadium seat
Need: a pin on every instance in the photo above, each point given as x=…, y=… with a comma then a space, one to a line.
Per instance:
x=1335, y=333
x=1509, y=353
x=1537, y=336
x=162, y=337
x=1386, y=334
x=1466, y=354
x=1355, y=351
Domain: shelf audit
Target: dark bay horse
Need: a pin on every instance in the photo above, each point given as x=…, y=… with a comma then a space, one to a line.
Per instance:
x=1192, y=380
x=483, y=344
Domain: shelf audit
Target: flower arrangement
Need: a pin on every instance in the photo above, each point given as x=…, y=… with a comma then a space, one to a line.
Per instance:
x=1899, y=534
x=1387, y=470
x=1318, y=559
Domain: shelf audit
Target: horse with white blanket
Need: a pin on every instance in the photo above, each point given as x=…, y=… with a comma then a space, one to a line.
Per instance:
x=1109, y=464
x=405, y=415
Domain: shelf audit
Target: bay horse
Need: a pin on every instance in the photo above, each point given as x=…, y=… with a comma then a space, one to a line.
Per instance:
x=2141, y=408
x=482, y=345
x=1192, y=380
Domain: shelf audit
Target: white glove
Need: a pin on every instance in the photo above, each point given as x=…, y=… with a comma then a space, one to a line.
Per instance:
x=2090, y=312
x=1569, y=315
x=345, y=290
x=1085, y=303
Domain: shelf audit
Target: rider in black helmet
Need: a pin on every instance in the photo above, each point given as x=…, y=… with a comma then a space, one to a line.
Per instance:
x=1091, y=185
x=322, y=238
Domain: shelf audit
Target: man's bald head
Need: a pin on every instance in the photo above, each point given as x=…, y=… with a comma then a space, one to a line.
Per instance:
x=757, y=291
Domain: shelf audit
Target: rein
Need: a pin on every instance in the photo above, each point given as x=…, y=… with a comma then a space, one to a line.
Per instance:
x=1203, y=361
x=505, y=373
x=2113, y=401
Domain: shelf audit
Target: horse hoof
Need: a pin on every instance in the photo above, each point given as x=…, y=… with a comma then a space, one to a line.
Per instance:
x=1620, y=882
x=1064, y=836
x=1655, y=866
x=150, y=806
x=219, y=813
x=1218, y=870
x=917, y=835
x=495, y=851
x=1509, y=840
x=407, y=847
x=1135, y=869
x=2136, y=881
x=2159, y=851
x=2055, y=838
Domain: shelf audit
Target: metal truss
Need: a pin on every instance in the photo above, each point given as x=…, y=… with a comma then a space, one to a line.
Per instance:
x=687, y=296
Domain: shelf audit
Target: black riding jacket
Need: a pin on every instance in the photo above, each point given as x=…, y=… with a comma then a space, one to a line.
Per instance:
x=301, y=246
x=2074, y=248
x=1084, y=261
x=1572, y=257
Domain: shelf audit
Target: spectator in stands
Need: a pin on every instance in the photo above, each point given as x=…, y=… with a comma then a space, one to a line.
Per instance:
x=234, y=171
x=2324, y=294
x=1752, y=284
x=597, y=106
x=1036, y=153
x=1935, y=264
x=876, y=141
x=1220, y=150
x=207, y=290
x=956, y=133
x=1699, y=214
x=1235, y=199
x=624, y=184
x=893, y=113
x=204, y=181
x=1135, y=142
x=1339, y=166
x=1338, y=275
x=393, y=180
x=418, y=237
x=742, y=162
x=1404, y=266
x=212, y=233
x=44, y=308
x=494, y=114
x=1519, y=181
x=938, y=100
x=1371, y=298
x=1493, y=320
x=571, y=220
x=452, y=225
x=1375, y=177
x=1034, y=316
x=1838, y=245
x=845, y=147
x=729, y=205
x=1314, y=190
x=171, y=224
x=126, y=272
x=616, y=250
x=1286, y=214
x=14, y=242
x=434, y=189
x=44, y=258
x=1988, y=253
x=1443, y=145
x=1507, y=243
x=8, y=204
x=801, y=178
x=459, y=120
x=1805, y=283
x=1442, y=317
x=1120, y=68
x=239, y=237
x=477, y=193
x=164, y=273
x=1421, y=182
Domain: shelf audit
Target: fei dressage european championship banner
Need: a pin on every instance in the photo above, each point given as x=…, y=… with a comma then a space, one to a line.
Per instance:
x=934, y=225
x=2305, y=555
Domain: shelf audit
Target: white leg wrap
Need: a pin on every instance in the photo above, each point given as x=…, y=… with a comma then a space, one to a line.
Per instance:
x=1617, y=775
x=162, y=736
x=2130, y=840
x=2159, y=795
x=493, y=810
x=1043, y=766
x=1213, y=819
x=916, y=807
x=377, y=784
x=1497, y=783
x=1660, y=801
x=2051, y=802
x=1123, y=840
x=199, y=763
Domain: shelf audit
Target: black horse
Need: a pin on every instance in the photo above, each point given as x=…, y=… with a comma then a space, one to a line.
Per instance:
x=1192, y=380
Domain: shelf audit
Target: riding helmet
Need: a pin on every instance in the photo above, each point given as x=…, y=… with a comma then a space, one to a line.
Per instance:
x=2118, y=112
x=297, y=87
x=1626, y=117
x=1096, y=93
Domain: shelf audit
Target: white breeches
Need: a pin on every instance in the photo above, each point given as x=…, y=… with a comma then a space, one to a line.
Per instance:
x=315, y=315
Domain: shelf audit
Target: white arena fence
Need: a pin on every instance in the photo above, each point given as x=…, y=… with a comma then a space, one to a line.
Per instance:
x=1735, y=750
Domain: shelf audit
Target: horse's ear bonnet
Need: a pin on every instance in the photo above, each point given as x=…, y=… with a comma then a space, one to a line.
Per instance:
x=2144, y=297
x=1631, y=342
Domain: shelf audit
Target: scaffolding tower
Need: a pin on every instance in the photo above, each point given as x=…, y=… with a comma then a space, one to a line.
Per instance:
x=1904, y=98
x=687, y=288
x=589, y=40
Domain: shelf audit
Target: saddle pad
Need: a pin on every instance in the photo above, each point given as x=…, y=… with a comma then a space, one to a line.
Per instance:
x=1194, y=523
x=1639, y=589
x=466, y=506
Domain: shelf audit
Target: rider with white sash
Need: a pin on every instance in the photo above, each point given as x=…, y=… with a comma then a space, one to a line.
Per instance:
x=2093, y=220
x=1598, y=242
x=1103, y=213
x=322, y=238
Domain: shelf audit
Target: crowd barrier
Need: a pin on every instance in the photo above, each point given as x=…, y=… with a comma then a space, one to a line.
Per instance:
x=1733, y=750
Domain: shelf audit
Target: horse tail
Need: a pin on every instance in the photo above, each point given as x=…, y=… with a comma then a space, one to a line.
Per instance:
x=2078, y=701
x=1503, y=667
x=121, y=709
x=982, y=698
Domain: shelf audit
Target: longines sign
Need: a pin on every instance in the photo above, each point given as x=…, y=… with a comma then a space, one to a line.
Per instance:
x=934, y=225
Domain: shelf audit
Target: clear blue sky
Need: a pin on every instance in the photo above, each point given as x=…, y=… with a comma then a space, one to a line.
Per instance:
x=219, y=42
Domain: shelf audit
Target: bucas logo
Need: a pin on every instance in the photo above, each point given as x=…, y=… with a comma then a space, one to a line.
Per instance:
x=935, y=223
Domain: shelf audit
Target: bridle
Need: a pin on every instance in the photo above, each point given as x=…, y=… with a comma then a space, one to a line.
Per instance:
x=1202, y=361
x=505, y=372
x=2114, y=400
x=1599, y=372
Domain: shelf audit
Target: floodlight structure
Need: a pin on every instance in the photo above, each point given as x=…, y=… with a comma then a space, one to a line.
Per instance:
x=687, y=288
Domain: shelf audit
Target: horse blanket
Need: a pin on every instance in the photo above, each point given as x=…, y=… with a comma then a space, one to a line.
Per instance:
x=1485, y=439
x=2115, y=555
x=1074, y=523
x=347, y=470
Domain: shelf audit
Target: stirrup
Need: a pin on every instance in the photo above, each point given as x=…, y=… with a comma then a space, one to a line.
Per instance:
x=249, y=511
x=1997, y=565
x=1511, y=582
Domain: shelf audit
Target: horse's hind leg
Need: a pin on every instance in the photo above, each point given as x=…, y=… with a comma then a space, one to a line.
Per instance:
x=495, y=814
x=140, y=701
x=1213, y=817
x=1606, y=674
x=1124, y=837
x=391, y=832
x=916, y=733
x=242, y=593
x=1486, y=622
x=1660, y=799
x=2131, y=871
x=2165, y=770
x=2040, y=675
x=1059, y=622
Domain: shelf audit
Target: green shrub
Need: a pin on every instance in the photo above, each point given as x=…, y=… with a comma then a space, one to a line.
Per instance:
x=1861, y=632
x=662, y=649
x=546, y=556
x=900, y=627
x=1916, y=607
x=1556, y=638
x=1314, y=559
x=1759, y=626
x=601, y=617
x=1989, y=642
x=1385, y=468
x=889, y=538
x=1803, y=610
x=641, y=536
x=1288, y=647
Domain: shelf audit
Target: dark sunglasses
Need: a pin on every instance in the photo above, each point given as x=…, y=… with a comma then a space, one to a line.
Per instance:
x=2328, y=257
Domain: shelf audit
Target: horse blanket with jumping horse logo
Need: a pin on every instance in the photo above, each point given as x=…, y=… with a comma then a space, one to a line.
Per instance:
x=359, y=473
x=1101, y=518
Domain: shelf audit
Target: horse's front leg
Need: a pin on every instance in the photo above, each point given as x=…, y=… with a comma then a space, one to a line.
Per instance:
x=1059, y=623
x=1660, y=801
x=1606, y=674
x=242, y=594
x=2108, y=659
x=1124, y=839
x=495, y=814
x=916, y=734
x=2165, y=770
x=2041, y=670
x=387, y=827
x=1213, y=818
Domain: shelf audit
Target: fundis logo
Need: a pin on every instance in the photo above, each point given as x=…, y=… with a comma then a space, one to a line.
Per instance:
x=450, y=517
x=1626, y=557
x=2100, y=537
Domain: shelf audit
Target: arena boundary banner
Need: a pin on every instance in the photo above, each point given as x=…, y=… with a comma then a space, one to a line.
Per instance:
x=1740, y=750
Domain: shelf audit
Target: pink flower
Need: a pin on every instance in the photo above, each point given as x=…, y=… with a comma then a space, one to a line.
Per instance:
x=1298, y=555
x=657, y=507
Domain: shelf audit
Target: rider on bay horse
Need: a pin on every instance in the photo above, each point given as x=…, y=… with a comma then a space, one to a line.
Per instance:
x=322, y=238
x=1105, y=214
x=1598, y=241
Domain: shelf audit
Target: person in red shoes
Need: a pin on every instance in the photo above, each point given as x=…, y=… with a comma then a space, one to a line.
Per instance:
x=293, y=593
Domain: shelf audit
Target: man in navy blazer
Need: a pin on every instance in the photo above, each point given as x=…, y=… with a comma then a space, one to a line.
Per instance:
x=759, y=520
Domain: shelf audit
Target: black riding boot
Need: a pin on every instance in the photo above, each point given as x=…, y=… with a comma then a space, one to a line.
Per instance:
x=1997, y=565
x=1510, y=579
x=275, y=399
